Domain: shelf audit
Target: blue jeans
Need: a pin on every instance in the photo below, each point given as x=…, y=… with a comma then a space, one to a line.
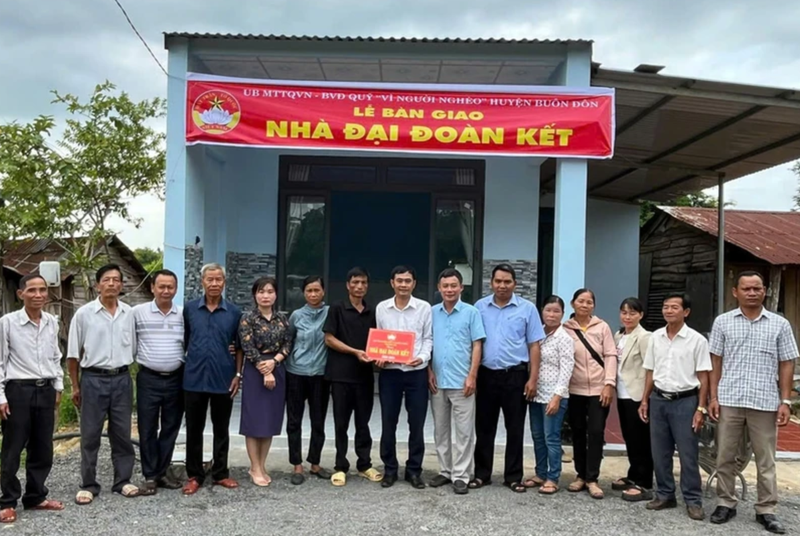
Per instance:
x=546, y=433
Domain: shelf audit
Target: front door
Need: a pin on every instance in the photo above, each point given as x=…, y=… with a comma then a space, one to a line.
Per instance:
x=378, y=231
x=337, y=213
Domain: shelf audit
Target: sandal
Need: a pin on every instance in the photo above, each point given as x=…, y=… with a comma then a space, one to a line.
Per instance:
x=150, y=488
x=8, y=515
x=339, y=479
x=129, y=491
x=48, y=505
x=621, y=484
x=371, y=474
x=549, y=488
x=477, y=483
x=516, y=487
x=84, y=497
x=533, y=482
x=324, y=474
x=637, y=494
x=577, y=486
x=595, y=492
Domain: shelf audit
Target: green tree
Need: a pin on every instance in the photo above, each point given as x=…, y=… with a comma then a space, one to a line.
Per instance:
x=698, y=199
x=151, y=259
x=108, y=154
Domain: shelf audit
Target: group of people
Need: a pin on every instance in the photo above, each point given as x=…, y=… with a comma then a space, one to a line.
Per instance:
x=470, y=363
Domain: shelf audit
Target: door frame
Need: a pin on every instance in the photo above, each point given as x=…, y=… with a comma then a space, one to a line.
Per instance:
x=438, y=192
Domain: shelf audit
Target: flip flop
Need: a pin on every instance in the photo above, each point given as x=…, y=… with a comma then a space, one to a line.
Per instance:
x=477, y=483
x=48, y=505
x=548, y=488
x=621, y=484
x=533, y=482
x=516, y=487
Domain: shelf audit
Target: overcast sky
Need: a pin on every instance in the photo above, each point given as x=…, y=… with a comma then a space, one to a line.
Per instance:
x=73, y=45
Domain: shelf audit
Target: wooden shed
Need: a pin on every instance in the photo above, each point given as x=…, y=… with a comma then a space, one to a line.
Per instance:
x=678, y=253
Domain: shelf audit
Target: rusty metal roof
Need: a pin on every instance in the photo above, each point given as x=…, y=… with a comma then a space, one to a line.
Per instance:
x=335, y=38
x=771, y=236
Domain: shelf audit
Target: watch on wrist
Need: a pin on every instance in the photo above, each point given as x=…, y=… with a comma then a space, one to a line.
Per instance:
x=787, y=402
x=239, y=375
x=702, y=410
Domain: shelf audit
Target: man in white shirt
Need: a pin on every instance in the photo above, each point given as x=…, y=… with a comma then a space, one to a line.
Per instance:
x=31, y=382
x=159, y=383
x=404, y=312
x=102, y=340
x=676, y=388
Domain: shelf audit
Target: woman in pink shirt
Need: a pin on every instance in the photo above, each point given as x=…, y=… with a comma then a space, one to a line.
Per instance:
x=591, y=390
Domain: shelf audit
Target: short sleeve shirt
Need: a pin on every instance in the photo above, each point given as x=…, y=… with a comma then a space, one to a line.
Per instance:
x=751, y=351
x=453, y=335
x=509, y=331
x=675, y=363
x=351, y=327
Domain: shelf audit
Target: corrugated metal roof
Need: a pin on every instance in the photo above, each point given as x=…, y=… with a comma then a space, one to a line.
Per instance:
x=771, y=236
x=325, y=38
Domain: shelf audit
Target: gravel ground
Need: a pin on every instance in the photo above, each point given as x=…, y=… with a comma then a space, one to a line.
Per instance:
x=364, y=508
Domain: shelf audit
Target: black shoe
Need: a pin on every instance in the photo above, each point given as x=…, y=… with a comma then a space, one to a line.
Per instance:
x=661, y=504
x=439, y=481
x=388, y=481
x=297, y=479
x=168, y=483
x=415, y=481
x=722, y=514
x=460, y=487
x=771, y=523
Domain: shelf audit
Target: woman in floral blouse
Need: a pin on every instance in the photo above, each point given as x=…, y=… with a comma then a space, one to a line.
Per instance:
x=266, y=343
x=550, y=405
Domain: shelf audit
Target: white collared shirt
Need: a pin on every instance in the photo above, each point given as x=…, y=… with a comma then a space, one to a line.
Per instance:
x=415, y=317
x=100, y=340
x=675, y=363
x=29, y=351
x=159, y=337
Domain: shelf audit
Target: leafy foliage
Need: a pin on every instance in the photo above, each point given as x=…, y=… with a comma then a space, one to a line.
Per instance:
x=151, y=259
x=108, y=154
x=699, y=199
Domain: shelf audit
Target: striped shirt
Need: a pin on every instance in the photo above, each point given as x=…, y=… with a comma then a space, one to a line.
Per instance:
x=159, y=337
x=751, y=351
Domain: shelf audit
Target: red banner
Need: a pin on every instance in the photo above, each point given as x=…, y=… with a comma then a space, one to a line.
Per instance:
x=391, y=346
x=551, y=121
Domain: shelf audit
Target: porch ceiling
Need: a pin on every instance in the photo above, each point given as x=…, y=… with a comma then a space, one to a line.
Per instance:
x=673, y=135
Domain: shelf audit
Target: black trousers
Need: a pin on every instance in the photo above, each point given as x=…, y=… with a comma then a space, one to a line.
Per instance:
x=299, y=389
x=636, y=434
x=394, y=386
x=196, y=409
x=29, y=427
x=587, y=420
x=500, y=390
x=353, y=399
x=159, y=407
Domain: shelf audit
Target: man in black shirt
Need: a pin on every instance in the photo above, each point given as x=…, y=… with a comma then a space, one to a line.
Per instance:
x=350, y=372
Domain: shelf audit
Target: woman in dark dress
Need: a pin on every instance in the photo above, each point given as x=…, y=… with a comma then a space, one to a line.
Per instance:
x=266, y=342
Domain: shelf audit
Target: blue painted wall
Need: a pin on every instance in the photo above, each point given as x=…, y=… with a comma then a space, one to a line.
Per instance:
x=612, y=255
x=511, y=209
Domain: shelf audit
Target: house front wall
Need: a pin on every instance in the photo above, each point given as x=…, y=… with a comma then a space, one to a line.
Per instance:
x=227, y=205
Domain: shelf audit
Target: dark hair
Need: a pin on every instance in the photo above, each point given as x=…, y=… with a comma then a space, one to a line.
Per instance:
x=23, y=283
x=554, y=299
x=451, y=272
x=634, y=304
x=504, y=267
x=357, y=271
x=262, y=282
x=584, y=291
x=686, y=301
x=749, y=273
x=313, y=279
x=403, y=269
x=165, y=273
x=103, y=270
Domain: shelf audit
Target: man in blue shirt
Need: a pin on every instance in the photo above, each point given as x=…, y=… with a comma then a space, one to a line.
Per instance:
x=457, y=342
x=507, y=377
x=211, y=377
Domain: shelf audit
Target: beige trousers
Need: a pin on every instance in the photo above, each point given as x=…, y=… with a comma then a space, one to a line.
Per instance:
x=763, y=431
x=454, y=433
